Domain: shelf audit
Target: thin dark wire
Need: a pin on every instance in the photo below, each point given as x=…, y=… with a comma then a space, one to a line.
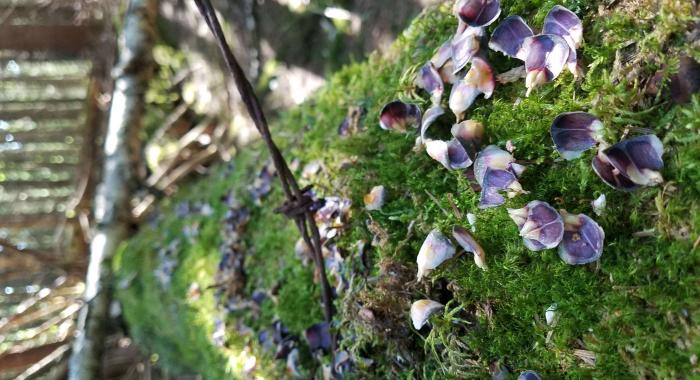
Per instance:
x=298, y=200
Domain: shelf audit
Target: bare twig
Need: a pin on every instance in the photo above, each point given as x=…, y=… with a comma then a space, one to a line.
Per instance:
x=299, y=202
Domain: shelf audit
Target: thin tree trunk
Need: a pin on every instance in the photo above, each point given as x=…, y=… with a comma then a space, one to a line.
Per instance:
x=112, y=196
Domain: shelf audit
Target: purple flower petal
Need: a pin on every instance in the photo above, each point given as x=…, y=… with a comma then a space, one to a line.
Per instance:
x=467, y=241
x=479, y=80
x=478, y=12
x=490, y=197
x=399, y=116
x=491, y=157
x=540, y=225
x=565, y=23
x=443, y=54
x=509, y=36
x=429, y=79
x=432, y=114
x=451, y=154
x=547, y=55
x=529, y=375
x=469, y=133
x=318, y=337
x=575, y=132
x=611, y=176
x=464, y=46
x=638, y=159
x=583, y=239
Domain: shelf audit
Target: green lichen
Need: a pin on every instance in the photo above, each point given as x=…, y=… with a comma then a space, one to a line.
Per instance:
x=636, y=309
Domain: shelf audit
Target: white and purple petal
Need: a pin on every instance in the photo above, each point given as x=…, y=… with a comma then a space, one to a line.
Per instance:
x=318, y=337
x=639, y=159
x=610, y=175
x=547, y=54
x=451, y=154
x=469, y=244
x=583, y=239
x=465, y=46
x=509, y=36
x=575, y=132
x=442, y=55
x=478, y=12
x=399, y=116
x=479, y=80
x=565, y=23
x=491, y=157
x=540, y=225
x=429, y=79
x=529, y=375
x=432, y=114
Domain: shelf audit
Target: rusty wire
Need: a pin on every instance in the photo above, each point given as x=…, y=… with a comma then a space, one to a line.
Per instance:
x=299, y=205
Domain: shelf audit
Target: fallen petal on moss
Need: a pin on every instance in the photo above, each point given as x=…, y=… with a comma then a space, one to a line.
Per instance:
x=399, y=116
x=599, y=205
x=509, y=36
x=467, y=241
x=575, y=132
x=611, y=176
x=469, y=133
x=639, y=159
x=465, y=46
x=478, y=12
x=583, y=239
x=435, y=250
x=547, y=55
x=451, y=154
x=565, y=23
x=374, y=200
x=432, y=114
x=529, y=375
x=429, y=80
x=493, y=157
x=479, y=80
x=421, y=311
x=318, y=337
x=540, y=225
x=442, y=55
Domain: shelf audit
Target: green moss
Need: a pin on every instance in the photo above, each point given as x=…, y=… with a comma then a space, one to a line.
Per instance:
x=636, y=309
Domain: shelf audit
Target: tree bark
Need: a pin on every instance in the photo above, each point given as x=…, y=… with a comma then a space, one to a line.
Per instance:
x=111, y=204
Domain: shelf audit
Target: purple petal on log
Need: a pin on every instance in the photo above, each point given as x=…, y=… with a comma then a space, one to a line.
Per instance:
x=583, y=239
x=479, y=80
x=509, y=36
x=429, y=79
x=687, y=81
x=432, y=114
x=399, y=116
x=611, y=176
x=478, y=12
x=542, y=228
x=464, y=46
x=638, y=159
x=467, y=241
x=529, y=375
x=575, y=132
x=547, y=55
x=443, y=54
x=318, y=337
x=491, y=157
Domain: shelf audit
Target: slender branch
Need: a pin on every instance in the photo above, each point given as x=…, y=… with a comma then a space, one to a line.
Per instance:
x=297, y=200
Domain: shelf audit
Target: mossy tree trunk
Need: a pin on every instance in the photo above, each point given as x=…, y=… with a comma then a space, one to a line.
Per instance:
x=111, y=207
